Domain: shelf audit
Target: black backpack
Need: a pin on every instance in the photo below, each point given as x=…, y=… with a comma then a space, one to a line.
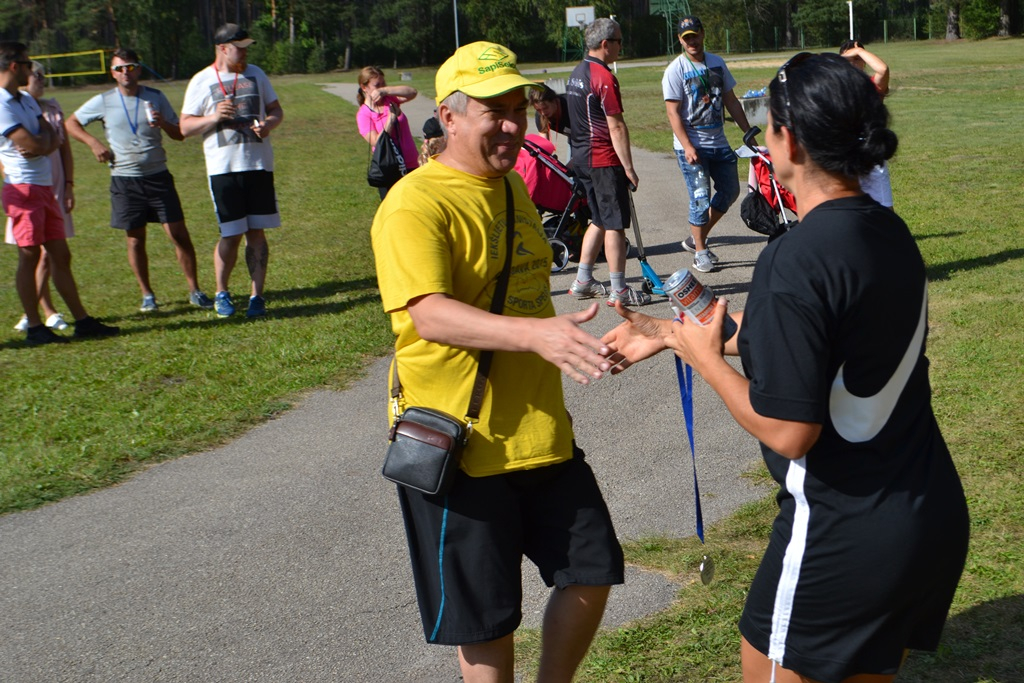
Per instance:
x=759, y=216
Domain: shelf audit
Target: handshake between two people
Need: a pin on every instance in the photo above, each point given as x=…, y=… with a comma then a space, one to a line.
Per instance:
x=584, y=358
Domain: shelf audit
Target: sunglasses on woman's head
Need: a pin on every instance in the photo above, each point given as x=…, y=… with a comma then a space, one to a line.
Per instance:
x=783, y=77
x=125, y=67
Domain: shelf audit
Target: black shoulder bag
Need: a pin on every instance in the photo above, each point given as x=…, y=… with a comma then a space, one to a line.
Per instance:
x=386, y=165
x=426, y=444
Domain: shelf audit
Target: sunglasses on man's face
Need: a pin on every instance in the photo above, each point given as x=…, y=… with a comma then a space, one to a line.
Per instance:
x=128, y=68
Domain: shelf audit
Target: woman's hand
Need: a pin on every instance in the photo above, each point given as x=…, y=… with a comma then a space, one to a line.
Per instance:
x=377, y=95
x=636, y=339
x=698, y=344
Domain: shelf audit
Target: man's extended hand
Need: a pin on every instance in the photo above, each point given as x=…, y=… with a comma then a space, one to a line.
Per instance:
x=577, y=353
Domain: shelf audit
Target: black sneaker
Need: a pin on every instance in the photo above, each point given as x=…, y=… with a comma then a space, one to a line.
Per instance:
x=91, y=327
x=41, y=334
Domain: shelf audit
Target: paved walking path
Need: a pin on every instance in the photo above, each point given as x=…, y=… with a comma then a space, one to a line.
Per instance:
x=280, y=557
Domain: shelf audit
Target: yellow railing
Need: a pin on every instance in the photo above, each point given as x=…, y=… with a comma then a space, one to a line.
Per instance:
x=101, y=60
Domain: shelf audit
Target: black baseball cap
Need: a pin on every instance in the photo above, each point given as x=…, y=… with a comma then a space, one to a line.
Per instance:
x=690, y=24
x=234, y=34
x=432, y=128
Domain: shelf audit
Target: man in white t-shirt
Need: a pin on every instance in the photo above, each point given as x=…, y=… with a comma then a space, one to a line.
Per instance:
x=233, y=106
x=36, y=219
x=696, y=86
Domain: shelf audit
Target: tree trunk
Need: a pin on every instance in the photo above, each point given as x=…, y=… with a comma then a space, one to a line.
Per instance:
x=1005, y=8
x=953, y=23
x=113, y=24
x=790, y=36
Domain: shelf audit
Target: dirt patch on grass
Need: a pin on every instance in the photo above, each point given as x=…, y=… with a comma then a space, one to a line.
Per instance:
x=755, y=64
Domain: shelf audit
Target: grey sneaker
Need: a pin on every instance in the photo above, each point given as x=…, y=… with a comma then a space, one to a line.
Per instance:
x=689, y=246
x=629, y=297
x=56, y=322
x=199, y=299
x=587, y=290
x=224, y=306
x=149, y=304
x=703, y=262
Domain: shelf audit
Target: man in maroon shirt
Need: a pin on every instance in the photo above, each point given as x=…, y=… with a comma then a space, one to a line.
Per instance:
x=604, y=164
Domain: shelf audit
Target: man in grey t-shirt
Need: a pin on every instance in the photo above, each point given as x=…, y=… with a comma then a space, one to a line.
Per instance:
x=697, y=86
x=141, y=188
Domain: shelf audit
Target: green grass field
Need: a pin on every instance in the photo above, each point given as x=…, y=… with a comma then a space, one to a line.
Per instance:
x=86, y=415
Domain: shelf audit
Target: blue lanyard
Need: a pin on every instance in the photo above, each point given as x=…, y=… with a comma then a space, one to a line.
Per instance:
x=135, y=126
x=686, y=394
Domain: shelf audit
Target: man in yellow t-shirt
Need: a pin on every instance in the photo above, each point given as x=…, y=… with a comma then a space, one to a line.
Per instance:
x=524, y=487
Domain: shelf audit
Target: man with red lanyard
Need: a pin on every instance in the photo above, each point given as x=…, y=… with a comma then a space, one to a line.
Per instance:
x=36, y=219
x=603, y=162
x=233, y=106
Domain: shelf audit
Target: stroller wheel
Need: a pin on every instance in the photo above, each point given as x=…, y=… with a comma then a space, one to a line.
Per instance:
x=560, y=255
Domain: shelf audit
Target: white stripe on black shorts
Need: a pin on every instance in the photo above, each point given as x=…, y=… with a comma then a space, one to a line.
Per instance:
x=244, y=201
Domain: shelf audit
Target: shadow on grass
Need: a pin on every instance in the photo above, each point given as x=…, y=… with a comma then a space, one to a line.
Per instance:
x=956, y=233
x=942, y=271
x=172, y=316
x=980, y=644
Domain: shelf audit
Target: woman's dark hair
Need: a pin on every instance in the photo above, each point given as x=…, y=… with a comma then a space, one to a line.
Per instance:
x=847, y=45
x=542, y=94
x=836, y=113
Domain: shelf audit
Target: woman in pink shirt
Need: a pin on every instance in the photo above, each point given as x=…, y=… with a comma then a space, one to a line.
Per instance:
x=379, y=110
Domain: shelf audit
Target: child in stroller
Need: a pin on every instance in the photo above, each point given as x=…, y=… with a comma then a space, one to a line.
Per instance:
x=558, y=196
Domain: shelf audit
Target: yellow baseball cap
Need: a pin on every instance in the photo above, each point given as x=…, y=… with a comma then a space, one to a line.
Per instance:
x=482, y=70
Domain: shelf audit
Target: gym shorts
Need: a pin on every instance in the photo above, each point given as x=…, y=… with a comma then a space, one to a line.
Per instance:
x=137, y=200
x=244, y=201
x=607, y=195
x=35, y=216
x=467, y=547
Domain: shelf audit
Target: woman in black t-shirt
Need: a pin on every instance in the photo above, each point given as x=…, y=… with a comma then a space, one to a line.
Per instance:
x=871, y=536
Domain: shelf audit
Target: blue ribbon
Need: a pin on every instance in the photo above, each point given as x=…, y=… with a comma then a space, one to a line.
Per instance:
x=686, y=394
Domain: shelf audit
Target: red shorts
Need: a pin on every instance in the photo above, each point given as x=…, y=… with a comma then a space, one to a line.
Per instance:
x=35, y=215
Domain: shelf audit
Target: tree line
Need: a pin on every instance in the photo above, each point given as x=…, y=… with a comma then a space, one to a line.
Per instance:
x=174, y=37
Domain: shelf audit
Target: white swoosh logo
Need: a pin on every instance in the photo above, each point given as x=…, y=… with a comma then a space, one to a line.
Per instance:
x=859, y=419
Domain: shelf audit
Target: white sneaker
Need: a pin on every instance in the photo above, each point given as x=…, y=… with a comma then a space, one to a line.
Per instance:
x=56, y=322
x=22, y=325
x=689, y=246
x=587, y=290
x=702, y=262
x=629, y=297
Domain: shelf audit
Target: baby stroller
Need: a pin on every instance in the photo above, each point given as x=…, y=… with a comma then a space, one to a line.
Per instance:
x=763, y=210
x=559, y=198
